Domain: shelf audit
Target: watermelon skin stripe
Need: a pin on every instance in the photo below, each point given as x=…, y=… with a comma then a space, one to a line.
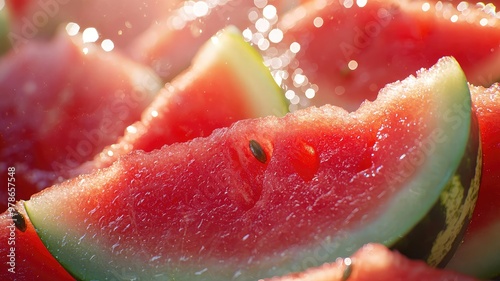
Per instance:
x=478, y=254
x=425, y=241
x=460, y=212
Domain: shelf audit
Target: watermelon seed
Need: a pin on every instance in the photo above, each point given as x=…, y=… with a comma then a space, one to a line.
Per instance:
x=19, y=221
x=347, y=269
x=258, y=151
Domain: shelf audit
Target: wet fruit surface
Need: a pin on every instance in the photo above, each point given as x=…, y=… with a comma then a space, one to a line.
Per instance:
x=187, y=202
x=374, y=262
x=226, y=83
x=62, y=102
x=343, y=52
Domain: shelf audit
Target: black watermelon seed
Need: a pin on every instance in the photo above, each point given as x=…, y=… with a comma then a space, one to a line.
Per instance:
x=347, y=269
x=258, y=151
x=19, y=221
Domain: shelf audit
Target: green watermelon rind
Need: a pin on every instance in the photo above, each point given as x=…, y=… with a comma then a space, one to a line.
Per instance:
x=5, y=43
x=261, y=90
x=478, y=254
x=438, y=235
x=439, y=175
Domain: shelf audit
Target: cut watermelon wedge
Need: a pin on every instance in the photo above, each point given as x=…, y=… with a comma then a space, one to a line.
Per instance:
x=226, y=82
x=374, y=262
x=270, y=196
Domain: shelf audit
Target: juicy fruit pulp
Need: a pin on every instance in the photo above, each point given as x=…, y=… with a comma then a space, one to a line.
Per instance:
x=214, y=208
x=374, y=262
x=61, y=106
x=226, y=82
x=351, y=51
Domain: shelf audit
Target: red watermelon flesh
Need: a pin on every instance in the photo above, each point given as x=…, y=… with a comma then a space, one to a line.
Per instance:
x=113, y=19
x=356, y=51
x=374, y=262
x=23, y=255
x=61, y=106
x=226, y=82
x=262, y=197
x=169, y=45
x=479, y=253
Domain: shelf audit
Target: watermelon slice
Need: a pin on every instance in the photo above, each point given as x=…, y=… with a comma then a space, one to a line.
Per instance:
x=226, y=82
x=347, y=53
x=23, y=255
x=63, y=102
x=479, y=253
x=374, y=262
x=269, y=196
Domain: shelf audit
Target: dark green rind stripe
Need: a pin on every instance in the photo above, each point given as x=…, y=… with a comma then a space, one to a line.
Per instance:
x=471, y=180
x=4, y=31
x=436, y=237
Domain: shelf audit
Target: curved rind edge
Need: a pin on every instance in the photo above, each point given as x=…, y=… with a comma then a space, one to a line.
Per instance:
x=439, y=234
x=246, y=59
